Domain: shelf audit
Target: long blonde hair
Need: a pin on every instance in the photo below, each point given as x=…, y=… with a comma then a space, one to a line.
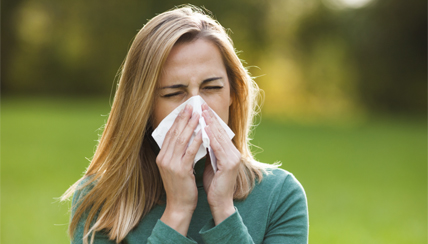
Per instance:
x=126, y=183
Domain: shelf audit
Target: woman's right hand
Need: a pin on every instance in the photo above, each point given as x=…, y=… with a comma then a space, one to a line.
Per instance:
x=175, y=163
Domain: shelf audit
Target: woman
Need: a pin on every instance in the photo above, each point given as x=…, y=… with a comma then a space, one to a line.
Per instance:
x=134, y=192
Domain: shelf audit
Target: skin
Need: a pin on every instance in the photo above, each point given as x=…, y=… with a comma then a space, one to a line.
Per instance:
x=195, y=68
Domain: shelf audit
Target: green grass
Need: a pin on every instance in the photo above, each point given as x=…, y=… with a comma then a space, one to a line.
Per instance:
x=365, y=183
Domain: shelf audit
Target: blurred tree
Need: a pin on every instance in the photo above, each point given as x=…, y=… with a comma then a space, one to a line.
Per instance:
x=76, y=47
x=390, y=45
x=384, y=48
x=317, y=59
x=8, y=40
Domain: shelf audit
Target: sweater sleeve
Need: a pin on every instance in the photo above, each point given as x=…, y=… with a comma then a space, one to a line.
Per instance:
x=162, y=233
x=289, y=221
x=230, y=230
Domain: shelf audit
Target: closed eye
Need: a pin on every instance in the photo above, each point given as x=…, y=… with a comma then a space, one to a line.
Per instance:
x=172, y=94
x=213, y=87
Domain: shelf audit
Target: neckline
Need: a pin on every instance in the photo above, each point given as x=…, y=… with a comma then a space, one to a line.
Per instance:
x=198, y=171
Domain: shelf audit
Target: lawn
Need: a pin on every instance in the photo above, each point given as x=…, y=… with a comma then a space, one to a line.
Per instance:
x=365, y=183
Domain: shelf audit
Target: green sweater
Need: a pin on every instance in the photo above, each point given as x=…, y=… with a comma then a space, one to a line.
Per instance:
x=274, y=212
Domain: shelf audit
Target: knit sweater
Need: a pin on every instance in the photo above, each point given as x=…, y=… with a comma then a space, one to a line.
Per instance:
x=274, y=212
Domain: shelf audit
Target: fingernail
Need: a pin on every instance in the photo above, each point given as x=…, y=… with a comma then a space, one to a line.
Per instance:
x=206, y=113
x=195, y=116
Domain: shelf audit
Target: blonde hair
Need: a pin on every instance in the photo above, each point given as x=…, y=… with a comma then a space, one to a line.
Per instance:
x=126, y=183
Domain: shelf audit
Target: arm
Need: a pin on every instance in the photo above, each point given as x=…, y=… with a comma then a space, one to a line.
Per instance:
x=175, y=163
x=289, y=221
x=161, y=232
x=227, y=225
x=220, y=185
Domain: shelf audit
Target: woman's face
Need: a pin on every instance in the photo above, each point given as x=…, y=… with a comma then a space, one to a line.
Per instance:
x=193, y=68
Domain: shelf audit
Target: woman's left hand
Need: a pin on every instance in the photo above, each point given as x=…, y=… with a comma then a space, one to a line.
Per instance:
x=220, y=185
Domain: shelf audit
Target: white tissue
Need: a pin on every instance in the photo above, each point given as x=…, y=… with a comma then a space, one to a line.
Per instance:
x=196, y=101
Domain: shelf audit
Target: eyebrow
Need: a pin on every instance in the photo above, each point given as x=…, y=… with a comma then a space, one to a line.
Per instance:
x=182, y=85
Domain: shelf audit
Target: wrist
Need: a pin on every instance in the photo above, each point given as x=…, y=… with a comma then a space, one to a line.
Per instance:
x=177, y=219
x=220, y=213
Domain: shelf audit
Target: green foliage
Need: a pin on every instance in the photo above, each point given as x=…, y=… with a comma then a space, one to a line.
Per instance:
x=365, y=183
x=316, y=59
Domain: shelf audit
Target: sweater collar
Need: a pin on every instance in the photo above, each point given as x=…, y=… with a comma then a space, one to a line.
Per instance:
x=198, y=171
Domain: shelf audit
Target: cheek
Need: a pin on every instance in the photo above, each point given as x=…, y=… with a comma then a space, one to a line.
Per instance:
x=160, y=111
x=220, y=107
x=156, y=118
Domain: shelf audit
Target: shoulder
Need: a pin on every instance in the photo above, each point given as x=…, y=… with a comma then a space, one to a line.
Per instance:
x=83, y=187
x=281, y=190
x=286, y=200
x=279, y=179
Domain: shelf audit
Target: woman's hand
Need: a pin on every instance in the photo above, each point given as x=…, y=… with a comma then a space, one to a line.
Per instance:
x=220, y=185
x=175, y=162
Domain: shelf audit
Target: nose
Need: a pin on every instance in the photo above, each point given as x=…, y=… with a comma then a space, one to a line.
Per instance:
x=194, y=91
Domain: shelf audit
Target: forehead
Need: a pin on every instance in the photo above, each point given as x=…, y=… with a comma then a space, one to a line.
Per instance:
x=187, y=61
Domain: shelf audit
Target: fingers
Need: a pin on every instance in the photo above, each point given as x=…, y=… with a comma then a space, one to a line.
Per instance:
x=214, y=143
x=193, y=148
x=176, y=129
x=217, y=130
x=183, y=139
x=228, y=156
x=222, y=145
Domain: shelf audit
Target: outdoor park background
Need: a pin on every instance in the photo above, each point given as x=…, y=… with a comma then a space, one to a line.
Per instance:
x=345, y=106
